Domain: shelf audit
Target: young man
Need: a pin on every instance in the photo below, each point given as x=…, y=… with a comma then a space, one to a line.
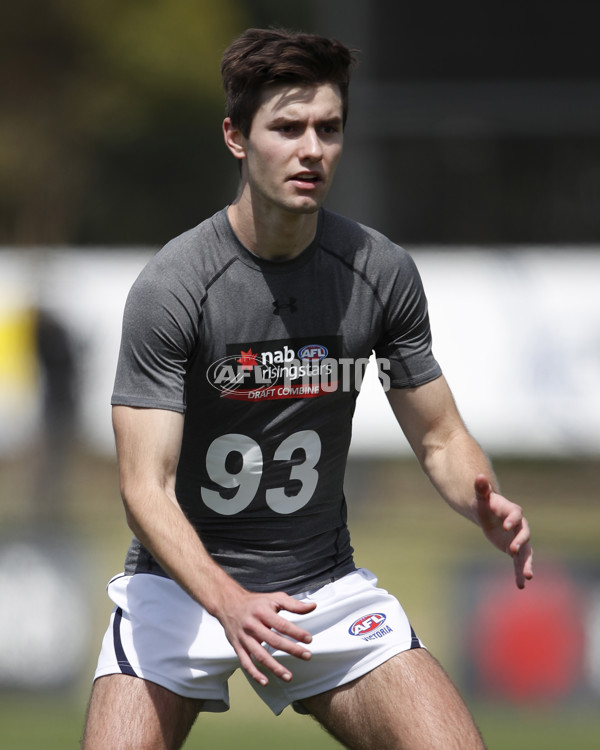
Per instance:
x=243, y=343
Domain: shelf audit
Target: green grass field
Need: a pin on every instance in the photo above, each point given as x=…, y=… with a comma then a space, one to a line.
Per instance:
x=52, y=724
x=401, y=531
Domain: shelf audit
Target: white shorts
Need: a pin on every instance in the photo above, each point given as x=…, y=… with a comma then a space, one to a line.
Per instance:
x=159, y=633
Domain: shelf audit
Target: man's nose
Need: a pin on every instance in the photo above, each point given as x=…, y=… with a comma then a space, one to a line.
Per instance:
x=311, y=147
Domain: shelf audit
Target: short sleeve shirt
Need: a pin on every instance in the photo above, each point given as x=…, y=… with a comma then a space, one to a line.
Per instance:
x=265, y=359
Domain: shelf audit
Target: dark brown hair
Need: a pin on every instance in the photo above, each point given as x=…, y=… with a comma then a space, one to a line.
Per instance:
x=266, y=57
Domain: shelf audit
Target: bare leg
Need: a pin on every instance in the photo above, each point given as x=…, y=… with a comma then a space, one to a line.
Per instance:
x=126, y=712
x=407, y=703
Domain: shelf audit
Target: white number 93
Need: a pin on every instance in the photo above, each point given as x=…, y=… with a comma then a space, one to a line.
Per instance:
x=247, y=479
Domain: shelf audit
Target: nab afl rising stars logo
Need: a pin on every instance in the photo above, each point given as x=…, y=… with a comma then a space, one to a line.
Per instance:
x=283, y=368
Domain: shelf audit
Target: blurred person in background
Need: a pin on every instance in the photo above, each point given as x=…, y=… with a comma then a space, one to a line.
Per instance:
x=233, y=417
x=58, y=415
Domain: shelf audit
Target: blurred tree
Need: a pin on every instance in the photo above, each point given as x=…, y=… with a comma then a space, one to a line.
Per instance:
x=91, y=93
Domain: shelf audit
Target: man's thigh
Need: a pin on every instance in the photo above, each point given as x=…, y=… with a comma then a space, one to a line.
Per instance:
x=407, y=703
x=128, y=712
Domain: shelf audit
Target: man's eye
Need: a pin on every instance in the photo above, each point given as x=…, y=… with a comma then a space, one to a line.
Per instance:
x=330, y=129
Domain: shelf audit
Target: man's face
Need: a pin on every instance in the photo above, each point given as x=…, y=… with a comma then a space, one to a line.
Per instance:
x=293, y=148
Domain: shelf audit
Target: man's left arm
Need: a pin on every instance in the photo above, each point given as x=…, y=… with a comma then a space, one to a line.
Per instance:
x=459, y=469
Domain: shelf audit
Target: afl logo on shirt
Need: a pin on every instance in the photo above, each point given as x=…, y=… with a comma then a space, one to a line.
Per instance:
x=367, y=624
x=313, y=352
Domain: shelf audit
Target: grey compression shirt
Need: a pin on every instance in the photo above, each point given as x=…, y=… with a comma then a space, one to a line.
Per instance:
x=264, y=358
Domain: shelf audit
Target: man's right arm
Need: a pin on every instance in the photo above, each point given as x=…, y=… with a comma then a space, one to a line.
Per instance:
x=148, y=444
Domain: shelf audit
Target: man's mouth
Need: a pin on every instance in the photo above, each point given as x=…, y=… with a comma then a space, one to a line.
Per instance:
x=307, y=177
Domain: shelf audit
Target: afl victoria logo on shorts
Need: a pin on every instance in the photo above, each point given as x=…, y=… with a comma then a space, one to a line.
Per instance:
x=367, y=624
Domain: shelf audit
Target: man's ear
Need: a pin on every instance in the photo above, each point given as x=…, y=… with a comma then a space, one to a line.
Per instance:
x=234, y=140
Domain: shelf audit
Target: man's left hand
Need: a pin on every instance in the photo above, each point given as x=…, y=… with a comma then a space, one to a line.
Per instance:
x=505, y=526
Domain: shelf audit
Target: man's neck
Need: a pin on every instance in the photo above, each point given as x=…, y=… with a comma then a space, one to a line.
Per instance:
x=276, y=236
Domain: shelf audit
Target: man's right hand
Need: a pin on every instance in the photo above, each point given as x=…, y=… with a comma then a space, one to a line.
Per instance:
x=252, y=621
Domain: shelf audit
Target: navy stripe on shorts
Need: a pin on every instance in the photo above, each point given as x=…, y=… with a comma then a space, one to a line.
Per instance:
x=122, y=659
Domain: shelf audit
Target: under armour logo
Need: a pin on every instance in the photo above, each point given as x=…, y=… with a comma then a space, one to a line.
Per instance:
x=289, y=305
